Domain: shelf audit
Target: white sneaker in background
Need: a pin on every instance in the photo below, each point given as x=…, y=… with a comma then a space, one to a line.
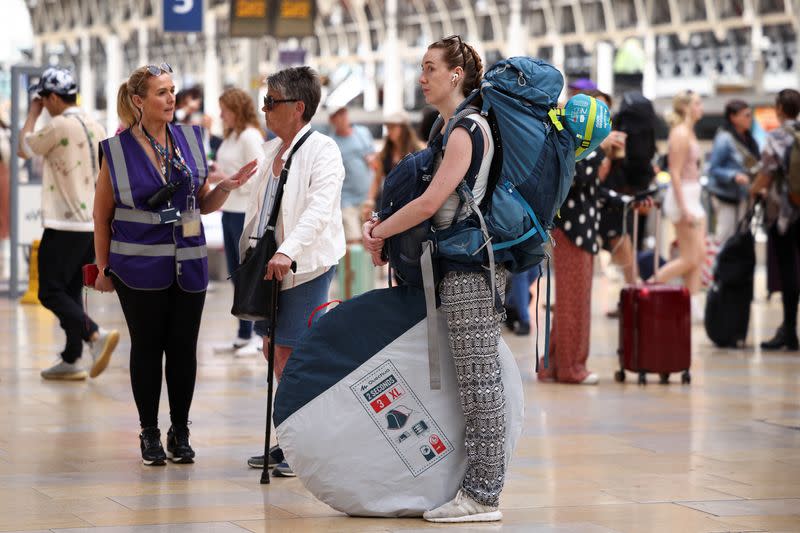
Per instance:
x=101, y=350
x=462, y=508
x=232, y=346
x=251, y=349
x=65, y=371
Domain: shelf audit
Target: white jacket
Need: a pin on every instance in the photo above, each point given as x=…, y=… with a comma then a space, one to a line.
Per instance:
x=309, y=229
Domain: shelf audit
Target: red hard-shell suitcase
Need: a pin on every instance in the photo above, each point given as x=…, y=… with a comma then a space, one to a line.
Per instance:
x=655, y=333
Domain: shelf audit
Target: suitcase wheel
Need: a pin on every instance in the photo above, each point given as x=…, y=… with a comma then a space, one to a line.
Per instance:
x=686, y=377
x=642, y=378
x=664, y=378
x=619, y=376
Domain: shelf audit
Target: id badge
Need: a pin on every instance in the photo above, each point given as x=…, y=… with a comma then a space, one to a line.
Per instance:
x=169, y=215
x=190, y=219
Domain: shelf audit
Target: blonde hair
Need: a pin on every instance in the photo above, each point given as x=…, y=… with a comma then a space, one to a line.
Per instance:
x=680, y=107
x=241, y=105
x=127, y=112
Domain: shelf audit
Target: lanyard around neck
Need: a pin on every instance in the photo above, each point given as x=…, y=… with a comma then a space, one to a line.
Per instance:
x=166, y=157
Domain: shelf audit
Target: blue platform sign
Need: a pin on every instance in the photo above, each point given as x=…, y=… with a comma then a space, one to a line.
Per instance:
x=184, y=16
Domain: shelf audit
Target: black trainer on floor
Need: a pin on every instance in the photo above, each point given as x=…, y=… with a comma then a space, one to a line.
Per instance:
x=152, y=451
x=782, y=339
x=179, y=450
x=275, y=458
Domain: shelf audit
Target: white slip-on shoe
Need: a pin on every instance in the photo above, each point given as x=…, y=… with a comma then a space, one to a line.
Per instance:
x=231, y=346
x=64, y=371
x=101, y=350
x=251, y=349
x=591, y=379
x=462, y=508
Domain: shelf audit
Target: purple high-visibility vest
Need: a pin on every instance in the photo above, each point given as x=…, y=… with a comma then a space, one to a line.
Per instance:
x=146, y=254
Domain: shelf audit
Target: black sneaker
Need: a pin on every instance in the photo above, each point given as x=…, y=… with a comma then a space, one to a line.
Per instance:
x=522, y=328
x=511, y=317
x=283, y=470
x=179, y=450
x=782, y=339
x=275, y=458
x=152, y=451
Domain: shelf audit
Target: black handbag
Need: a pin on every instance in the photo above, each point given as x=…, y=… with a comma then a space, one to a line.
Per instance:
x=252, y=294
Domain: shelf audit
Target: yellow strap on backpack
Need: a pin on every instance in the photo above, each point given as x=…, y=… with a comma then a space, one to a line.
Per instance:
x=587, y=137
x=554, y=114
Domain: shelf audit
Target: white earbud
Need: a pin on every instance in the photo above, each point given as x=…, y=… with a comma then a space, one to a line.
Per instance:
x=454, y=77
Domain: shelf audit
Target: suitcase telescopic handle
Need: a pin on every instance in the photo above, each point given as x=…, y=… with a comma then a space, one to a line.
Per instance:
x=629, y=205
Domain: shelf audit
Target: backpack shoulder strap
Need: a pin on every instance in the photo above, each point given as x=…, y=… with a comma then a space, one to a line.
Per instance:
x=478, y=144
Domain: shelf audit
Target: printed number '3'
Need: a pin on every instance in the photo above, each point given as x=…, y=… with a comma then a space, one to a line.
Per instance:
x=182, y=7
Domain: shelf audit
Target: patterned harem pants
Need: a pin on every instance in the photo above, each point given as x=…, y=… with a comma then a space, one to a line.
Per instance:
x=474, y=331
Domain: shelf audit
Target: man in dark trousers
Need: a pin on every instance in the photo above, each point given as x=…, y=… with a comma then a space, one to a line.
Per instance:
x=68, y=144
x=782, y=213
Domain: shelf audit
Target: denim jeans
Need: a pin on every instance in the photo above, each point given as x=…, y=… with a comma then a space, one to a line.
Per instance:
x=519, y=296
x=232, y=226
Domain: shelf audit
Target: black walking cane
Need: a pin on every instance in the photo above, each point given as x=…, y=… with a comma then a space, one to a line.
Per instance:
x=276, y=288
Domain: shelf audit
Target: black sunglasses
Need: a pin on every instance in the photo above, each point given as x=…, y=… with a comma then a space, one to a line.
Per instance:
x=270, y=102
x=460, y=47
x=156, y=70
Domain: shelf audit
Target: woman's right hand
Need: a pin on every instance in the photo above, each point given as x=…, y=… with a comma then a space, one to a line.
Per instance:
x=102, y=283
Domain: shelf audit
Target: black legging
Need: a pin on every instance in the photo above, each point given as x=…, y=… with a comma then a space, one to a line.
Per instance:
x=162, y=322
x=785, y=246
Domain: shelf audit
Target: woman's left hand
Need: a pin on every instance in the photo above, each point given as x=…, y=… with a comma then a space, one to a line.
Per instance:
x=372, y=244
x=240, y=177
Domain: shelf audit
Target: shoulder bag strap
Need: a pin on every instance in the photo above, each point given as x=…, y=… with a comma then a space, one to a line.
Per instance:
x=89, y=141
x=276, y=206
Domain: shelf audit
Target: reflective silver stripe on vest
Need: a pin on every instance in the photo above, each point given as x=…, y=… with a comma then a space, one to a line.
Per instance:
x=143, y=250
x=136, y=215
x=120, y=171
x=197, y=155
x=195, y=252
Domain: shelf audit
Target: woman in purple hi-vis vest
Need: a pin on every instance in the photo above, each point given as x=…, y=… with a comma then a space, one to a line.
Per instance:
x=150, y=247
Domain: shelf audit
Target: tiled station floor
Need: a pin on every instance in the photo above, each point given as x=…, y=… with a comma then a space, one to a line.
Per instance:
x=722, y=454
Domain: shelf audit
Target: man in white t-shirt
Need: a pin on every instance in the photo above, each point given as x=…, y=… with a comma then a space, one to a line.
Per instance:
x=69, y=147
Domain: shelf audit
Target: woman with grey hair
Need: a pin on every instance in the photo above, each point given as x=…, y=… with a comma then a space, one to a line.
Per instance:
x=309, y=230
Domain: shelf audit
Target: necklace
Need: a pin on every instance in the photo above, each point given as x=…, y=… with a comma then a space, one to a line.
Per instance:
x=166, y=159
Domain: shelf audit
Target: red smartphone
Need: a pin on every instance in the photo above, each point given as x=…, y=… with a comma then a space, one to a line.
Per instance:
x=90, y=273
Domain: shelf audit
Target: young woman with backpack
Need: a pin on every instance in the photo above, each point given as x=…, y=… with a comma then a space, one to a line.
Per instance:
x=451, y=69
x=682, y=204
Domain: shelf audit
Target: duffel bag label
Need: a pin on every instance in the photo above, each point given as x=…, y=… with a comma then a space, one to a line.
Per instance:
x=400, y=416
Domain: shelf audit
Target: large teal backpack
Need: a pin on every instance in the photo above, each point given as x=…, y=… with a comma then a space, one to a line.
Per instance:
x=536, y=145
x=535, y=163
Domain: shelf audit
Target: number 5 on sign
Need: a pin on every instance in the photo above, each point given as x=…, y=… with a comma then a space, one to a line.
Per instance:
x=184, y=16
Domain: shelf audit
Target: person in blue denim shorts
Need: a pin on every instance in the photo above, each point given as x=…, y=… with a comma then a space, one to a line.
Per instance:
x=309, y=230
